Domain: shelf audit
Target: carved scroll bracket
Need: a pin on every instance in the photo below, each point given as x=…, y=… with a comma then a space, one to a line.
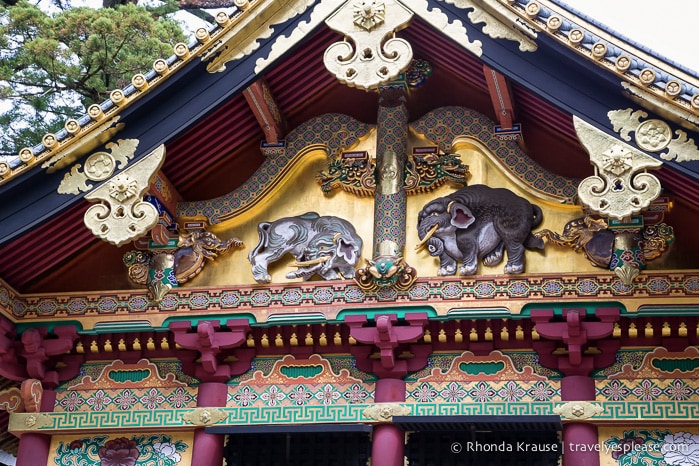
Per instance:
x=122, y=215
x=369, y=60
x=620, y=187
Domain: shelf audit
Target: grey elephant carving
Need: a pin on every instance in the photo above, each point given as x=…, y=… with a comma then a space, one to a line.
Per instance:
x=479, y=223
x=322, y=245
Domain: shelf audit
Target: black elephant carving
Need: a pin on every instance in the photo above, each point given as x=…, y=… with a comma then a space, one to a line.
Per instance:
x=479, y=222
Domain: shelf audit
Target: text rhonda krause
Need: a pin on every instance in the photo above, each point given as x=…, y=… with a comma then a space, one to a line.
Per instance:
x=506, y=446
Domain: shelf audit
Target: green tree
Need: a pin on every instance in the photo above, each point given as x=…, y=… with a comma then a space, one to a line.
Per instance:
x=53, y=66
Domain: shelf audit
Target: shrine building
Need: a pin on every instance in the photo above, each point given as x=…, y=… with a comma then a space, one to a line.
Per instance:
x=342, y=233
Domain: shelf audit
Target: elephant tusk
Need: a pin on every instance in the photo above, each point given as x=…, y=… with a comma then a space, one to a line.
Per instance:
x=320, y=260
x=429, y=234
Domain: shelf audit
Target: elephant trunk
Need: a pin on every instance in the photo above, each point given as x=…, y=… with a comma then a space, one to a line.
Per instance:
x=307, y=263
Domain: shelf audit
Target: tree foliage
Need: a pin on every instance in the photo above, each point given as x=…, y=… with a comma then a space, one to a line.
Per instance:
x=53, y=66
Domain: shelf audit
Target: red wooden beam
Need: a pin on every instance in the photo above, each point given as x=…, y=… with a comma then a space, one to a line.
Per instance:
x=263, y=106
x=501, y=96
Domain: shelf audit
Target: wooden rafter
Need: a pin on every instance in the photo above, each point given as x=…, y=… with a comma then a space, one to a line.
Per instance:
x=501, y=97
x=261, y=101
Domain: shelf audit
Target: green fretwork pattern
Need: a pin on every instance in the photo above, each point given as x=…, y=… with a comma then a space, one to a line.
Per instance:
x=657, y=412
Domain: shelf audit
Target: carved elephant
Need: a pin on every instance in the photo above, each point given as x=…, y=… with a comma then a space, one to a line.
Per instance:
x=327, y=246
x=479, y=222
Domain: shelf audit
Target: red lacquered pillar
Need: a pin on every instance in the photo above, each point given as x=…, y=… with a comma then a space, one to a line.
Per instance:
x=388, y=440
x=580, y=439
x=208, y=448
x=34, y=447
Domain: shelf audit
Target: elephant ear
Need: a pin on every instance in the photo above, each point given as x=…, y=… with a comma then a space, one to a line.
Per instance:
x=347, y=250
x=461, y=216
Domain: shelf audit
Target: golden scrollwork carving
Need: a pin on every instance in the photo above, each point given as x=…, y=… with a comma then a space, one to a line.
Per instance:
x=98, y=166
x=204, y=416
x=369, y=60
x=653, y=135
x=384, y=412
x=578, y=410
x=122, y=215
x=620, y=187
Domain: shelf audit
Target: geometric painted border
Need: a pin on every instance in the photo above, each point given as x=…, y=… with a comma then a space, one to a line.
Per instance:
x=325, y=299
x=162, y=420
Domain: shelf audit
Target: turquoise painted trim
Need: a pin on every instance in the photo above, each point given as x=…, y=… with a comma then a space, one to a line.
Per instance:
x=21, y=327
x=222, y=319
x=558, y=307
x=400, y=311
x=302, y=318
x=481, y=314
x=164, y=420
x=647, y=311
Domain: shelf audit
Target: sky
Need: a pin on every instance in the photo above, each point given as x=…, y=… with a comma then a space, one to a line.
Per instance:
x=668, y=27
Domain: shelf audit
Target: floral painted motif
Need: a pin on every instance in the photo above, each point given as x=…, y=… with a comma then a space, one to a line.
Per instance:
x=424, y=393
x=118, y=452
x=511, y=392
x=615, y=391
x=356, y=394
x=646, y=390
x=681, y=449
x=144, y=450
x=654, y=448
x=99, y=401
x=273, y=396
x=300, y=395
x=541, y=391
x=482, y=392
x=245, y=397
x=126, y=400
x=453, y=393
x=72, y=402
x=179, y=398
x=328, y=395
x=152, y=399
x=678, y=390
x=167, y=452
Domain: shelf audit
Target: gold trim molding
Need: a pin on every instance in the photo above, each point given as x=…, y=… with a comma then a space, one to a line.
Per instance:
x=653, y=135
x=620, y=187
x=204, y=416
x=28, y=422
x=245, y=32
x=122, y=215
x=384, y=412
x=578, y=410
